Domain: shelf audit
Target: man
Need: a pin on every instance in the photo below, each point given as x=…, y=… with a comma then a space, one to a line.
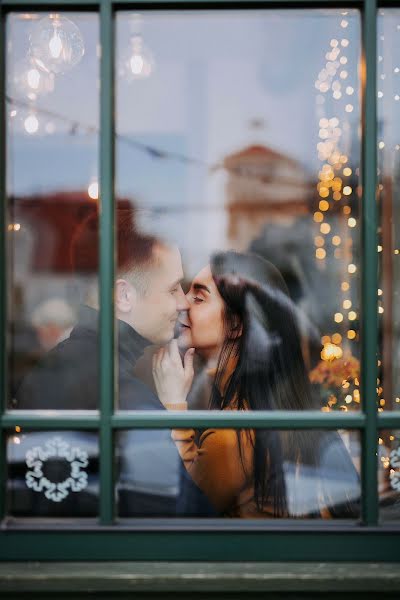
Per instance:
x=148, y=299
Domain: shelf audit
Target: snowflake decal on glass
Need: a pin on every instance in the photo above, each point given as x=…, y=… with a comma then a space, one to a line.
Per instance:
x=56, y=448
x=395, y=469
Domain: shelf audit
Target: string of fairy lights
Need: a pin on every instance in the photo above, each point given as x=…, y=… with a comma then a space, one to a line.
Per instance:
x=336, y=225
x=388, y=77
x=388, y=88
x=55, y=46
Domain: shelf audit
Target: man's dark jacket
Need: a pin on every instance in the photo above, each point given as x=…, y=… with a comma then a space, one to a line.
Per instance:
x=151, y=479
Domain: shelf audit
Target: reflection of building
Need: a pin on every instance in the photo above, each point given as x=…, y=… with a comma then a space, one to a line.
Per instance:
x=41, y=230
x=263, y=185
x=44, y=291
x=50, y=221
x=269, y=203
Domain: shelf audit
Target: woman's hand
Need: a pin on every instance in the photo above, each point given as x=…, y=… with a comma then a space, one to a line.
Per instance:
x=172, y=377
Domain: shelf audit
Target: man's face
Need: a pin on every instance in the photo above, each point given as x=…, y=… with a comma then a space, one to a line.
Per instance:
x=155, y=312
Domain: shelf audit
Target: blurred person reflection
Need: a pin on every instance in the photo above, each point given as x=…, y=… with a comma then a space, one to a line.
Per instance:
x=243, y=323
x=25, y=347
x=148, y=298
x=53, y=320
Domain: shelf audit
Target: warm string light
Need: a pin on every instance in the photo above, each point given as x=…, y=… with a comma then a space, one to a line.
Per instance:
x=93, y=190
x=75, y=126
x=14, y=227
x=381, y=145
x=334, y=187
x=16, y=439
x=388, y=87
x=138, y=61
x=32, y=125
x=389, y=454
x=55, y=46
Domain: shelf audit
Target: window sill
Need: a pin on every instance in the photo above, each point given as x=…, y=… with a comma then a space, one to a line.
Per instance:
x=161, y=578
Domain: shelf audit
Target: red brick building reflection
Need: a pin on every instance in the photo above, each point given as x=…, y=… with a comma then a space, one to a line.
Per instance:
x=51, y=221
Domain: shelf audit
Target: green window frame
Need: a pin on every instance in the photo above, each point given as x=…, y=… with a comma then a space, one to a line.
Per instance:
x=211, y=539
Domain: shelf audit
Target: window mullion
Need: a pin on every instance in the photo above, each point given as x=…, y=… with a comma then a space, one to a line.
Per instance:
x=369, y=277
x=44, y=4
x=38, y=420
x=235, y=419
x=3, y=275
x=389, y=420
x=107, y=253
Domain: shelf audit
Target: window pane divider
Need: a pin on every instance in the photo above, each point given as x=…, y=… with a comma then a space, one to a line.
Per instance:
x=147, y=420
x=68, y=5
x=107, y=259
x=3, y=256
x=257, y=419
x=389, y=420
x=176, y=4
x=50, y=5
x=369, y=265
x=53, y=421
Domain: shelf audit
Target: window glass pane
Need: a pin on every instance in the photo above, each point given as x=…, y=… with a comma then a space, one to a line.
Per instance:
x=238, y=474
x=389, y=208
x=235, y=134
x=389, y=474
x=52, y=474
x=52, y=143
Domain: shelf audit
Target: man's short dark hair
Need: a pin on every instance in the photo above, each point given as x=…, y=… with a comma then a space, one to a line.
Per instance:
x=134, y=249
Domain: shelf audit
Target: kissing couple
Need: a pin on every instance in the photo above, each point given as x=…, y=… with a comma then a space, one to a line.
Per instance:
x=238, y=318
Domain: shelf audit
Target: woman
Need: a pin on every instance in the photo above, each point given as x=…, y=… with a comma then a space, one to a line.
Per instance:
x=242, y=322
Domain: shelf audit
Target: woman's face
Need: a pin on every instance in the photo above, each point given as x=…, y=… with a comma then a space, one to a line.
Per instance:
x=202, y=327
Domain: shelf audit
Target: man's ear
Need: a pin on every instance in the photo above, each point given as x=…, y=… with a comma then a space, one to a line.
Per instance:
x=125, y=296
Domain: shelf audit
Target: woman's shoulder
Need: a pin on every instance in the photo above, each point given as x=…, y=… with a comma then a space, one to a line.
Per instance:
x=223, y=437
x=228, y=437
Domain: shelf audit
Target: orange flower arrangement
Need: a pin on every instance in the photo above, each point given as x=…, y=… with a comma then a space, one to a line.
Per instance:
x=339, y=378
x=336, y=371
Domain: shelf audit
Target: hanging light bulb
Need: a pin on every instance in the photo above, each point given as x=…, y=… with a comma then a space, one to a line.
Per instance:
x=27, y=80
x=56, y=44
x=31, y=124
x=138, y=62
x=33, y=78
x=93, y=190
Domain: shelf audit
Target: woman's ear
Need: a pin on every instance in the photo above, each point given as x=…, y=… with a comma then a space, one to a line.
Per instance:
x=125, y=296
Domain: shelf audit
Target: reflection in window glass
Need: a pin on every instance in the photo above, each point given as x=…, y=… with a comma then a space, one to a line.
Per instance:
x=246, y=142
x=389, y=207
x=52, y=474
x=238, y=474
x=389, y=475
x=219, y=146
x=52, y=141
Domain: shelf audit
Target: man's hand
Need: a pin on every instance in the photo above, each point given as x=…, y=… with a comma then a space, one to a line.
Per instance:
x=172, y=377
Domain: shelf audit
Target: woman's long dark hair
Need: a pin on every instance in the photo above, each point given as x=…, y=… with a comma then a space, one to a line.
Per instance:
x=263, y=340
